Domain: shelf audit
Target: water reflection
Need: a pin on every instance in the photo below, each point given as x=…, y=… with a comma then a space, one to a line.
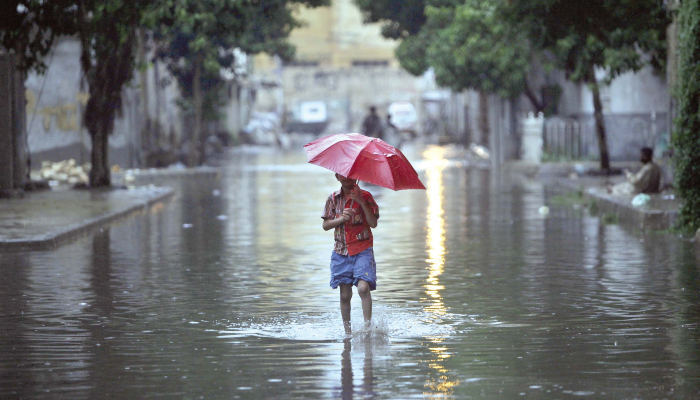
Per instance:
x=349, y=387
x=482, y=297
x=435, y=163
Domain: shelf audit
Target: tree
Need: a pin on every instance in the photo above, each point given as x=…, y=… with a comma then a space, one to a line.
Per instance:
x=400, y=19
x=107, y=31
x=28, y=28
x=616, y=36
x=468, y=43
x=198, y=39
x=473, y=48
x=686, y=133
x=487, y=44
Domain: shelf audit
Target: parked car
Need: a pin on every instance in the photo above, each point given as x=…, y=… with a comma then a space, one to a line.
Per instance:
x=404, y=117
x=312, y=117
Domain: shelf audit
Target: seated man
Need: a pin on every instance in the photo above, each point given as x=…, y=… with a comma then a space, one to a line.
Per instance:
x=647, y=180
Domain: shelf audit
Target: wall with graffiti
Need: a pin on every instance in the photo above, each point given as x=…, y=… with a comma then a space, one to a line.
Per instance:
x=56, y=101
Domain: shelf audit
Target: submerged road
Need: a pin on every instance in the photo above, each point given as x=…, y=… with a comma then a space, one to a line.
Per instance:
x=223, y=293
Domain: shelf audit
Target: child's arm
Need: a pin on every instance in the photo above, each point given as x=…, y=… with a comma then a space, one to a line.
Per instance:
x=332, y=223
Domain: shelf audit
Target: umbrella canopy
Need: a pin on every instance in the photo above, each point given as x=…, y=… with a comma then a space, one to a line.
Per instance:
x=364, y=158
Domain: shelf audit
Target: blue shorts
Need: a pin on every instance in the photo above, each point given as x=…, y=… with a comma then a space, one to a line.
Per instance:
x=352, y=269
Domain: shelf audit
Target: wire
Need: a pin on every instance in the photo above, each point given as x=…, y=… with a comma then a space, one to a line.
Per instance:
x=36, y=107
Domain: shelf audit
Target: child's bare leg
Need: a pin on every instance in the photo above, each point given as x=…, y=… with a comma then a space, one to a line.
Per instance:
x=366, y=296
x=345, y=297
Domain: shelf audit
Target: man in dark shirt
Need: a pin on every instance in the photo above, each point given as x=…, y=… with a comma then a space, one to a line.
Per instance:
x=372, y=125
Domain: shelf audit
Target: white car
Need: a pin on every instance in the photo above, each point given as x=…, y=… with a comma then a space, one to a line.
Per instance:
x=404, y=116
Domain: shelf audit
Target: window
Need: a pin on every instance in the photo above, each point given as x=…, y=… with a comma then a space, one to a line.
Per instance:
x=301, y=63
x=370, y=63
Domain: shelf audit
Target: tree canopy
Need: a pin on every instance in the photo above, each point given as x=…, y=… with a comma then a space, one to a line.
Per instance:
x=200, y=36
x=489, y=45
x=29, y=28
x=616, y=36
x=468, y=43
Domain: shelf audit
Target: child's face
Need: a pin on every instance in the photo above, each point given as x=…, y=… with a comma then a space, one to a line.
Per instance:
x=346, y=182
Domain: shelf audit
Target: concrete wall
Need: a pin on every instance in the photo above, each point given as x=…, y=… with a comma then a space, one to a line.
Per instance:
x=635, y=106
x=56, y=101
x=640, y=92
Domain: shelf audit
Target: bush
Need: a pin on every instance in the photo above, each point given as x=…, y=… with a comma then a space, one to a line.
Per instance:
x=686, y=134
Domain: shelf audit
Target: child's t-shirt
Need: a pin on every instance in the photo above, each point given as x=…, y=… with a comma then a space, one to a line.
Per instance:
x=354, y=236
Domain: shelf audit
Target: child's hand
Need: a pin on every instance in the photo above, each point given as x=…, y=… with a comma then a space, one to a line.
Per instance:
x=356, y=194
x=347, y=214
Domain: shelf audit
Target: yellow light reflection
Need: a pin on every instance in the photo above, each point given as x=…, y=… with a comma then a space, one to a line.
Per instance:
x=435, y=163
x=434, y=158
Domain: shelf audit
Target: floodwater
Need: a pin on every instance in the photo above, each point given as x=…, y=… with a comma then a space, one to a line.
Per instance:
x=222, y=293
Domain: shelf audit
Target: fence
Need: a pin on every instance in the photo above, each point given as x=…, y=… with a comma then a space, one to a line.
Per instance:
x=574, y=137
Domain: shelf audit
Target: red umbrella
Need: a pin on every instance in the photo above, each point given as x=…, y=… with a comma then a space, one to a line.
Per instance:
x=368, y=159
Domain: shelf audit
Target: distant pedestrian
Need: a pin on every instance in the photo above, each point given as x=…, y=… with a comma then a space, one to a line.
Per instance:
x=372, y=124
x=390, y=124
x=352, y=213
x=392, y=135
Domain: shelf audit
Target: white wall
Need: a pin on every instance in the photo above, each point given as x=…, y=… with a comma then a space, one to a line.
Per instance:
x=56, y=101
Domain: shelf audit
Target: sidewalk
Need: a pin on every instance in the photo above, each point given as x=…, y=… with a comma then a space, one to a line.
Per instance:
x=659, y=214
x=49, y=218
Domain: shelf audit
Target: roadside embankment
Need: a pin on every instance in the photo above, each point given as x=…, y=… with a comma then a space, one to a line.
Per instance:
x=658, y=214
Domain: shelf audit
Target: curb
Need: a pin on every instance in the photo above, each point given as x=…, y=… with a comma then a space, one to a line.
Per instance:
x=53, y=240
x=642, y=219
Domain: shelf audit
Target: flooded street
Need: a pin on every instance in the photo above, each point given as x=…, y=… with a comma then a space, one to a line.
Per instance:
x=223, y=293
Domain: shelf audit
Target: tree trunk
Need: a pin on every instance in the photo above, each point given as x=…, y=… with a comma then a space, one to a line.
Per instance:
x=99, y=173
x=538, y=105
x=193, y=159
x=147, y=142
x=599, y=122
x=484, y=118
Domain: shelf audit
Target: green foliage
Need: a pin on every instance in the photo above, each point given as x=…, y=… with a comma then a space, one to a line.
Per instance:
x=474, y=48
x=400, y=19
x=411, y=53
x=593, y=207
x=610, y=219
x=107, y=30
x=686, y=134
x=210, y=34
x=616, y=35
x=108, y=34
x=569, y=199
x=468, y=43
x=30, y=27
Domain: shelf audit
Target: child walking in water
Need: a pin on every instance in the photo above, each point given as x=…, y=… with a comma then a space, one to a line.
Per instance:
x=352, y=213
